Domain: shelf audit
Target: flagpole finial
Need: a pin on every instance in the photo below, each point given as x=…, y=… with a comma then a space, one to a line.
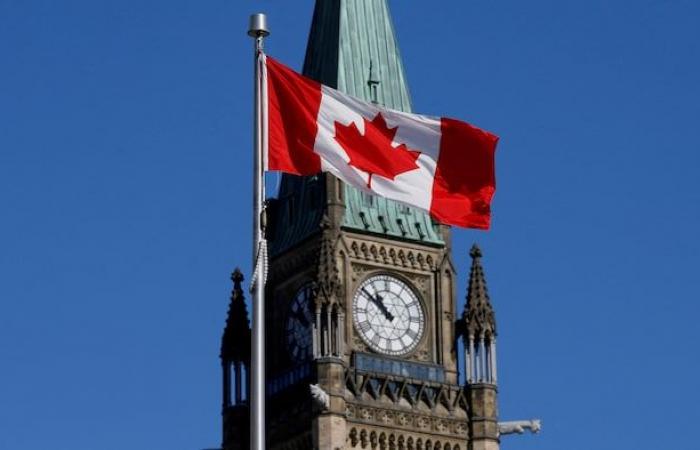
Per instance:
x=258, y=26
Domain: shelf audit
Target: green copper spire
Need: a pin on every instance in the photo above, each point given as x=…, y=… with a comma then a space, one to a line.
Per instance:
x=352, y=47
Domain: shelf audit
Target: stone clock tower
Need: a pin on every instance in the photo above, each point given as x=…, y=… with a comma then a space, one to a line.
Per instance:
x=364, y=342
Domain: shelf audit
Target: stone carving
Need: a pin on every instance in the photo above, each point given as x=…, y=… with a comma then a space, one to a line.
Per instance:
x=359, y=344
x=441, y=426
x=460, y=428
x=379, y=439
x=328, y=286
x=402, y=419
x=411, y=259
x=395, y=256
x=423, y=423
x=384, y=417
x=421, y=355
x=366, y=414
x=421, y=282
x=320, y=397
x=519, y=426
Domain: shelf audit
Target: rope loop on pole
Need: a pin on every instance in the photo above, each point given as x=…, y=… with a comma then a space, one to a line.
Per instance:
x=261, y=266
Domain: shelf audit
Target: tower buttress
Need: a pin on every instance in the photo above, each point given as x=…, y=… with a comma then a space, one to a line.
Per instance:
x=329, y=426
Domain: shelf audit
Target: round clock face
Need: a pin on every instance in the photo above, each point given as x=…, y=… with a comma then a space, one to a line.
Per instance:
x=388, y=315
x=299, y=320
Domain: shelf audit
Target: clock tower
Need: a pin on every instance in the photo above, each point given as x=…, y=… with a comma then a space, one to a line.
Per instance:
x=364, y=341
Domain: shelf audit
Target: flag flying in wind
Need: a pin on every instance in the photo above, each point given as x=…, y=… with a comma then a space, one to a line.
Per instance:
x=440, y=165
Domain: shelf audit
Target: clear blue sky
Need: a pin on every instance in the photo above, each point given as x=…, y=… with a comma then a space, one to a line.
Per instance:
x=125, y=203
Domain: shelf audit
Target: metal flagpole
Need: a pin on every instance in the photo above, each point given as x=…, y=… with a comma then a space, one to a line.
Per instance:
x=258, y=30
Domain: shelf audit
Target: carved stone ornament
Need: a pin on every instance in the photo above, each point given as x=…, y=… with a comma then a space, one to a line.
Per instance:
x=422, y=354
x=423, y=423
x=328, y=285
x=359, y=344
x=364, y=437
x=402, y=419
x=392, y=255
x=385, y=417
x=441, y=426
x=519, y=426
x=320, y=397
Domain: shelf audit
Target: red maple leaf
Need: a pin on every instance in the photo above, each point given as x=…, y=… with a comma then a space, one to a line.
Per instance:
x=373, y=152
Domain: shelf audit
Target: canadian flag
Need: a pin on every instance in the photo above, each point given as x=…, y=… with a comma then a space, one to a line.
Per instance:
x=440, y=165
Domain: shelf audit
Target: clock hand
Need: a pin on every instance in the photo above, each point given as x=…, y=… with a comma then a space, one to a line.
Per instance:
x=388, y=315
x=380, y=304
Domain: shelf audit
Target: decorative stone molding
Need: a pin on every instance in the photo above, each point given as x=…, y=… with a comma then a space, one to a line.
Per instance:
x=444, y=401
x=391, y=418
x=361, y=437
x=391, y=255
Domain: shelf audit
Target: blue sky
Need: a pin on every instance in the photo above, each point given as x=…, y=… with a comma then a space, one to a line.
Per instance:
x=125, y=189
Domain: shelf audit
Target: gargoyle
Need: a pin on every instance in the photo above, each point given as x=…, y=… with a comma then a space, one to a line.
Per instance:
x=519, y=426
x=319, y=396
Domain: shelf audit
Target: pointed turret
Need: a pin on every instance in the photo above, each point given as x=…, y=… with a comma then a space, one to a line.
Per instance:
x=328, y=284
x=478, y=316
x=478, y=329
x=328, y=292
x=478, y=326
x=235, y=363
x=353, y=48
x=235, y=342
